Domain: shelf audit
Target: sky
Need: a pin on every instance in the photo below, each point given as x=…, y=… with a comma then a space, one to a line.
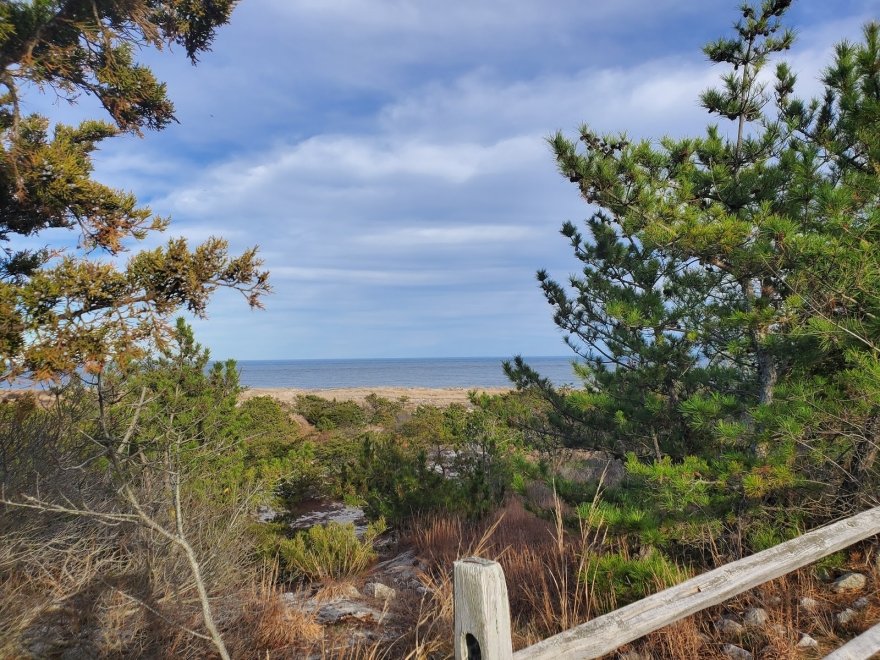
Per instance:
x=389, y=157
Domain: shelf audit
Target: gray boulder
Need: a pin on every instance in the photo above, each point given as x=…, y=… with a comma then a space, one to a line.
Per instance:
x=736, y=652
x=729, y=629
x=755, y=617
x=846, y=616
x=849, y=582
x=379, y=591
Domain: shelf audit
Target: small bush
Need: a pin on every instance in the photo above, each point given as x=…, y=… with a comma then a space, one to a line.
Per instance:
x=331, y=551
x=617, y=579
x=382, y=411
x=327, y=415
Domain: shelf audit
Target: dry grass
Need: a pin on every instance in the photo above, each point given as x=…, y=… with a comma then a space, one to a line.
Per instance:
x=543, y=568
x=117, y=591
x=269, y=627
x=84, y=591
x=542, y=565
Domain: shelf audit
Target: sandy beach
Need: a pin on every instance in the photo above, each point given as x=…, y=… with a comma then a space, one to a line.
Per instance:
x=415, y=396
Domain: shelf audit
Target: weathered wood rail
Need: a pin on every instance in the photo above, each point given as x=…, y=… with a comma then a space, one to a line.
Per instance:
x=482, y=612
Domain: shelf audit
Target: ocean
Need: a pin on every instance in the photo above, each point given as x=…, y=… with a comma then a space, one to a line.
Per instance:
x=396, y=372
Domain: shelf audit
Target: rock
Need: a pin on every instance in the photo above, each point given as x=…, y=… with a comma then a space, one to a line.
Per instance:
x=339, y=610
x=403, y=572
x=807, y=642
x=849, y=582
x=755, y=617
x=333, y=606
x=846, y=616
x=322, y=511
x=861, y=603
x=266, y=514
x=736, y=652
x=808, y=604
x=347, y=590
x=379, y=591
x=729, y=628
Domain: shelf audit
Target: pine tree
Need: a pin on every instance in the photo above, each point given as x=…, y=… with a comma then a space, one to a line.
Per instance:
x=729, y=283
x=61, y=309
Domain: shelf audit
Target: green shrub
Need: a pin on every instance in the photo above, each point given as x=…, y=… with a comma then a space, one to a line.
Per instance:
x=764, y=534
x=447, y=459
x=331, y=551
x=327, y=415
x=262, y=420
x=615, y=575
x=381, y=411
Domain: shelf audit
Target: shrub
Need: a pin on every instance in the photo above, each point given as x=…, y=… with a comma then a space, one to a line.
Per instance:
x=448, y=459
x=327, y=415
x=382, y=411
x=272, y=453
x=262, y=420
x=331, y=551
x=617, y=579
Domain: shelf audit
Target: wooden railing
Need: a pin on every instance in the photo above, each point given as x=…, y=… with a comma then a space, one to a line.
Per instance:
x=482, y=613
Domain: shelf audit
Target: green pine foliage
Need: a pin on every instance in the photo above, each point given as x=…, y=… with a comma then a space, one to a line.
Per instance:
x=447, y=459
x=327, y=415
x=725, y=307
x=64, y=308
x=618, y=579
x=189, y=406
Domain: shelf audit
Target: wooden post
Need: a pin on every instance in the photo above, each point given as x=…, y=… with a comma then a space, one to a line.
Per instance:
x=482, y=612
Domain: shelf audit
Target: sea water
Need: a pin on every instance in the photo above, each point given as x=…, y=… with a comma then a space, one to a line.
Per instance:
x=395, y=372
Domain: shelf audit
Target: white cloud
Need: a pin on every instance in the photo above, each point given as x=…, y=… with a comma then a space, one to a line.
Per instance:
x=447, y=236
x=389, y=157
x=406, y=278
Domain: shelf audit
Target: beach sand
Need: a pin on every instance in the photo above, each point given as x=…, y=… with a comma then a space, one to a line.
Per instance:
x=415, y=396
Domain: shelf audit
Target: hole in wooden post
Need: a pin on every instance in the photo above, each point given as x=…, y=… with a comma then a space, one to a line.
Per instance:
x=473, y=648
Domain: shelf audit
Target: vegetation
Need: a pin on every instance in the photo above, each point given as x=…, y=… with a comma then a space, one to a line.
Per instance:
x=443, y=459
x=59, y=308
x=725, y=313
x=723, y=356
x=144, y=486
x=332, y=551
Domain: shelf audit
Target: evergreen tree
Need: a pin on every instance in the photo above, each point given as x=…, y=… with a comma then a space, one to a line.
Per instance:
x=729, y=280
x=60, y=309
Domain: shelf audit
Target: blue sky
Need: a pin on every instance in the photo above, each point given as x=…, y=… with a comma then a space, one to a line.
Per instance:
x=388, y=156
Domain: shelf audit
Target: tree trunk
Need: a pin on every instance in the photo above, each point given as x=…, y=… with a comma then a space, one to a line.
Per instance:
x=864, y=455
x=768, y=373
